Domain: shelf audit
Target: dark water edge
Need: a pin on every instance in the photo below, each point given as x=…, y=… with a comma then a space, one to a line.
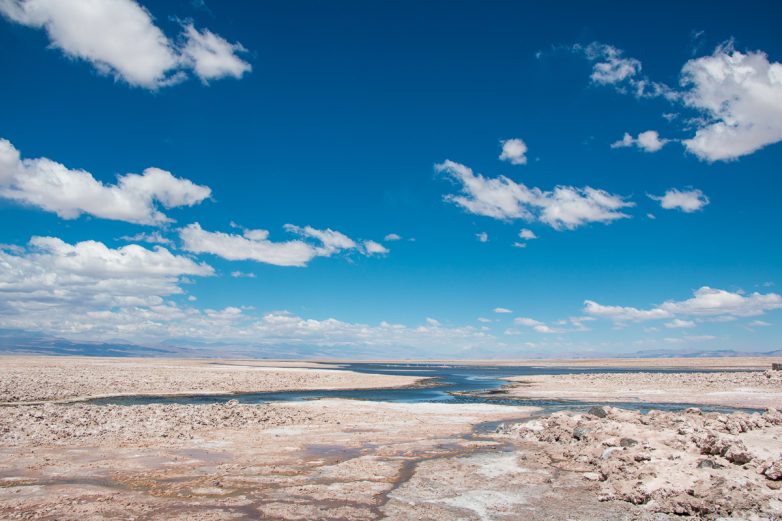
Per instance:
x=447, y=384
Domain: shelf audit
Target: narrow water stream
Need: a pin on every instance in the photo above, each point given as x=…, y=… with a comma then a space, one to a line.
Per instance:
x=447, y=384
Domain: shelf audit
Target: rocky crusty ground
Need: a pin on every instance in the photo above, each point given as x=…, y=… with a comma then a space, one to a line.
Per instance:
x=320, y=459
x=140, y=425
x=756, y=389
x=30, y=379
x=689, y=463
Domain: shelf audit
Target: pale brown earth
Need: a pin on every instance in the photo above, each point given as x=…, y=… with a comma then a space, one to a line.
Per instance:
x=752, y=389
x=42, y=378
x=325, y=459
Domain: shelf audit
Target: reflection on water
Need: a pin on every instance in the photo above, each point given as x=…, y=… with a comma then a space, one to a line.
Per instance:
x=449, y=382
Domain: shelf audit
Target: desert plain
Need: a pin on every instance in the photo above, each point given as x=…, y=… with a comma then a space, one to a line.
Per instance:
x=593, y=457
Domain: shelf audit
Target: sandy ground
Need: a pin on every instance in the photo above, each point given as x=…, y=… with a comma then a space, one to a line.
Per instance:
x=41, y=378
x=752, y=389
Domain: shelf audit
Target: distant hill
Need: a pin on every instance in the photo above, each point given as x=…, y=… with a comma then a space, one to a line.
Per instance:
x=23, y=342
x=676, y=353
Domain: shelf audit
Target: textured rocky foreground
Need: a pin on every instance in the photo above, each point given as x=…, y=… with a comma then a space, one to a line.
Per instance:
x=689, y=463
x=356, y=460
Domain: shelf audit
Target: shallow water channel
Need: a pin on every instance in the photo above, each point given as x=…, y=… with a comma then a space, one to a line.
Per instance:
x=447, y=385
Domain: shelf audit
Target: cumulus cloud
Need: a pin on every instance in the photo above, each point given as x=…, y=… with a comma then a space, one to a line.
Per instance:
x=51, y=274
x=565, y=207
x=503, y=310
x=482, y=237
x=648, y=141
x=706, y=304
x=89, y=291
x=120, y=38
x=514, y=151
x=740, y=96
x=737, y=97
x=392, y=237
x=53, y=187
x=687, y=201
x=255, y=245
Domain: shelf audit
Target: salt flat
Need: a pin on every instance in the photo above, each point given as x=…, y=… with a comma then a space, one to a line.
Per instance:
x=356, y=460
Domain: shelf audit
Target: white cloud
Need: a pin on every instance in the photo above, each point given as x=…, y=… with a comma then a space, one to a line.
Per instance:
x=52, y=274
x=482, y=237
x=536, y=325
x=120, y=38
x=69, y=193
x=242, y=275
x=255, y=245
x=648, y=141
x=88, y=291
x=514, y=151
x=252, y=245
x=501, y=198
x=687, y=201
x=711, y=302
x=678, y=323
x=374, y=248
x=518, y=244
x=527, y=234
x=707, y=304
x=611, y=66
x=740, y=96
x=759, y=323
x=211, y=56
x=623, y=313
x=392, y=237
x=151, y=238
x=568, y=325
x=503, y=310
x=332, y=241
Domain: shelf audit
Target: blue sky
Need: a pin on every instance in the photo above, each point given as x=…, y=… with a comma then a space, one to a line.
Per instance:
x=335, y=116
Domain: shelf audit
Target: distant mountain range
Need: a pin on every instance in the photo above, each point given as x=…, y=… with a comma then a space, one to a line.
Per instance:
x=24, y=342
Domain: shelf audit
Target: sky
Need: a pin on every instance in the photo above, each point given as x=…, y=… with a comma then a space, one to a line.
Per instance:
x=411, y=179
